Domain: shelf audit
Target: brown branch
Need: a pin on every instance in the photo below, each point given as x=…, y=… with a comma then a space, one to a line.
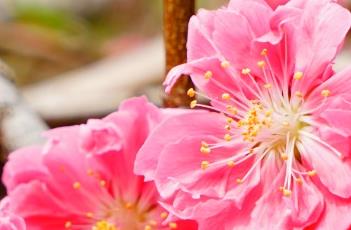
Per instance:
x=176, y=17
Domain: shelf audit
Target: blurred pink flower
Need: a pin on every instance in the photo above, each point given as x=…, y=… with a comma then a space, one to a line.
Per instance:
x=9, y=221
x=83, y=178
x=274, y=152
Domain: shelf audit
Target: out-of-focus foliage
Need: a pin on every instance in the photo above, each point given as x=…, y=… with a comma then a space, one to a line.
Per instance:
x=40, y=39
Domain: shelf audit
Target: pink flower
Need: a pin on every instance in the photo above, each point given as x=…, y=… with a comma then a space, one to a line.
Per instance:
x=274, y=152
x=83, y=177
x=9, y=221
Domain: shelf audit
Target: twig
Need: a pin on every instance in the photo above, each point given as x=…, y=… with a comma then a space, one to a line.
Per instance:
x=176, y=17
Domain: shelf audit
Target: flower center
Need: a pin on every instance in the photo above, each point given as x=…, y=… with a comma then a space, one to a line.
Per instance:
x=104, y=225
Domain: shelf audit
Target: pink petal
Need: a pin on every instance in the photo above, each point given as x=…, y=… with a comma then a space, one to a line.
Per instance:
x=173, y=129
x=328, y=167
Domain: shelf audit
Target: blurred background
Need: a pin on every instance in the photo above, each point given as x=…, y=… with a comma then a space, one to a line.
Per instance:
x=78, y=59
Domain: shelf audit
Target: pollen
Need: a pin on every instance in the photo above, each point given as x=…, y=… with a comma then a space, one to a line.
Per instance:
x=191, y=92
x=264, y=52
x=147, y=227
x=246, y=71
x=76, y=185
x=164, y=215
x=267, y=86
x=299, y=180
x=261, y=64
x=104, y=225
x=231, y=164
x=325, y=93
x=232, y=109
x=287, y=192
x=284, y=156
x=298, y=75
x=173, y=225
x=239, y=181
x=228, y=127
x=226, y=96
x=193, y=104
x=102, y=183
x=225, y=64
x=68, y=224
x=312, y=173
x=298, y=94
x=204, y=165
x=205, y=150
x=227, y=137
x=229, y=120
x=208, y=75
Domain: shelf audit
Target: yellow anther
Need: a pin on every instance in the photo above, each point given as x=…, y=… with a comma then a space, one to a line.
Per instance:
x=268, y=113
x=68, y=224
x=298, y=75
x=228, y=127
x=164, y=215
x=128, y=205
x=231, y=164
x=299, y=180
x=246, y=71
x=147, y=227
x=298, y=94
x=226, y=96
x=204, y=165
x=225, y=64
x=281, y=188
x=205, y=150
x=102, y=183
x=284, y=156
x=232, y=109
x=239, y=181
x=90, y=172
x=191, y=92
x=104, y=225
x=89, y=215
x=261, y=64
x=264, y=52
x=208, y=75
x=229, y=120
x=312, y=173
x=193, y=104
x=227, y=137
x=204, y=144
x=285, y=123
x=267, y=86
x=325, y=93
x=76, y=185
x=173, y=225
x=153, y=223
x=286, y=192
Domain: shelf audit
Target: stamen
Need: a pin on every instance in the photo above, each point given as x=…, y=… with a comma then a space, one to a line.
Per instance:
x=193, y=104
x=312, y=173
x=204, y=165
x=246, y=71
x=68, y=224
x=261, y=64
x=286, y=192
x=191, y=92
x=226, y=96
x=225, y=64
x=264, y=52
x=76, y=185
x=231, y=164
x=325, y=93
x=164, y=215
x=173, y=225
x=227, y=137
x=208, y=75
x=298, y=75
